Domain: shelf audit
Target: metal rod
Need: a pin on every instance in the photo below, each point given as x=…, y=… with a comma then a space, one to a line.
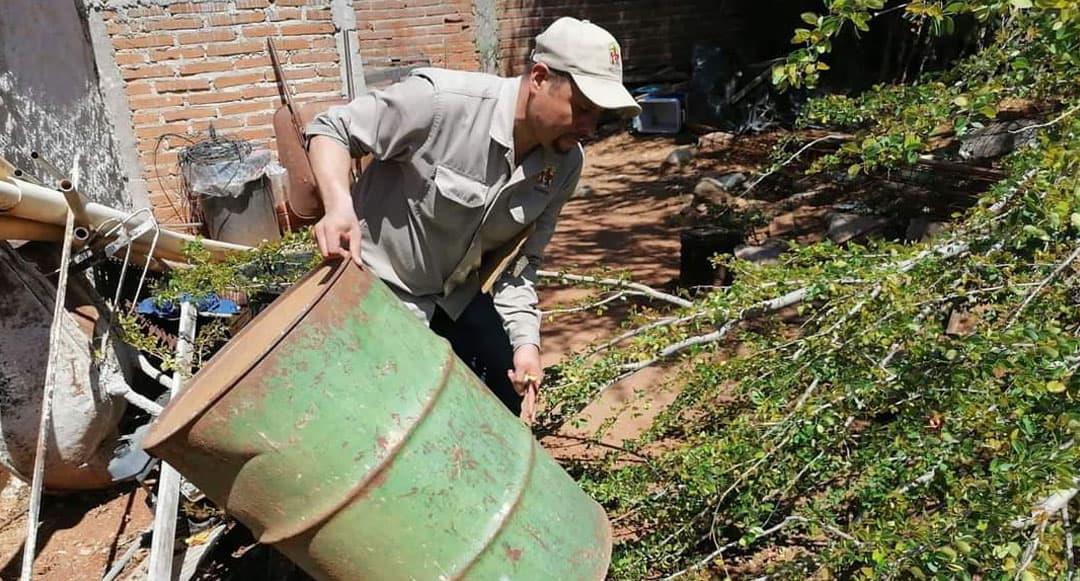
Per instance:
x=168, y=496
x=45, y=424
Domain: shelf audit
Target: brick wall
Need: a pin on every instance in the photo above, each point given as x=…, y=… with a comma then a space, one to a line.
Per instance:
x=404, y=32
x=654, y=34
x=187, y=65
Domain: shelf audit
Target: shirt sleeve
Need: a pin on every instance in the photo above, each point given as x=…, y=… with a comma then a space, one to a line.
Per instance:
x=515, y=292
x=390, y=124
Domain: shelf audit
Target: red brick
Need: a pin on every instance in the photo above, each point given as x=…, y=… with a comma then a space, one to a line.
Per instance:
x=146, y=11
x=278, y=14
x=200, y=67
x=323, y=43
x=117, y=28
x=318, y=14
x=295, y=43
x=146, y=71
x=251, y=62
x=187, y=52
x=260, y=120
x=240, y=47
x=258, y=31
x=307, y=28
x=313, y=57
x=255, y=133
x=148, y=102
x=182, y=85
x=219, y=123
x=316, y=87
x=238, y=18
x=259, y=91
x=244, y=107
x=217, y=35
x=139, y=88
x=213, y=97
x=185, y=113
x=130, y=58
x=155, y=131
x=145, y=117
x=146, y=41
x=172, y=24
x=328, y=71
x=237, y=80
x=241, y=4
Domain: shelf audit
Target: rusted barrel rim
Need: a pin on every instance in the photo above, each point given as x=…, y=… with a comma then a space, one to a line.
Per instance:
x=195, y=400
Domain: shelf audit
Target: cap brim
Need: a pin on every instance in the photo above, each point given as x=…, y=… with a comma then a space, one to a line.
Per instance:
x=611, y=95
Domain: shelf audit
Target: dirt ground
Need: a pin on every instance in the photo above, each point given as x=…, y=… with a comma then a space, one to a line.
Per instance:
x=625, y=219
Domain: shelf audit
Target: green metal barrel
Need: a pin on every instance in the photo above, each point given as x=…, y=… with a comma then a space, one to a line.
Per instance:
x=341, y=430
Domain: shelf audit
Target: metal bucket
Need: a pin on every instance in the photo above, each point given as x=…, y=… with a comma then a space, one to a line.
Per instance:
x=338, y=428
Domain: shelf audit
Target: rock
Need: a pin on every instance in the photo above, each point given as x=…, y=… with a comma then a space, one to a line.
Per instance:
x=583, y=191
x=731, y=181
x=716, y=140
x=677, y=160
x=996, y=139
x=765, y=253
x=920, y=229
x=847, y=227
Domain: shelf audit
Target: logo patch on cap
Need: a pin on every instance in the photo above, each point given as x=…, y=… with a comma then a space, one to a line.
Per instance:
x=613, y=51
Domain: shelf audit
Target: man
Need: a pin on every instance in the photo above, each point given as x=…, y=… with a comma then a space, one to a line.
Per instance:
x=470, y=171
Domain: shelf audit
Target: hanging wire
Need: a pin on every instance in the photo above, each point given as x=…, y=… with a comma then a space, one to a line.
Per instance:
x=214, y=150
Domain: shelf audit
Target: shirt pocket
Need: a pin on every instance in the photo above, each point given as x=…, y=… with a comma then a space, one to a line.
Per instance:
x=458, y=188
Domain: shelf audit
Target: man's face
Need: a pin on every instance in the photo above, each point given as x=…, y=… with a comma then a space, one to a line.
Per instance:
x=559, y=113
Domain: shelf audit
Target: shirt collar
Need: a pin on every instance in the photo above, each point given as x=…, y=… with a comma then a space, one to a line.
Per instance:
x=502, y=127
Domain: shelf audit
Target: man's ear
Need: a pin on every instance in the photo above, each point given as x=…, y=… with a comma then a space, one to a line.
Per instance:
x=538, y=74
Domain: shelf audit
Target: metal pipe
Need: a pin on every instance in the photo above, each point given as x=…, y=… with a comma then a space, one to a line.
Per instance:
x=12, y=228
x=31, y=201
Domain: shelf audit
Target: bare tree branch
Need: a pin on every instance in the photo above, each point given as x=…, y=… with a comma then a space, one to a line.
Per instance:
x=616, y=283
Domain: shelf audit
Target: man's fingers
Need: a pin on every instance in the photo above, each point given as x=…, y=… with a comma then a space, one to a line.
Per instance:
x=354, y=244
x=320, y=238
x=528, y=406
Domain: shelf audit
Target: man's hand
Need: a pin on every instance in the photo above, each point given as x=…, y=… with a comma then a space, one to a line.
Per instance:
x=338, y=233
x=527, y=375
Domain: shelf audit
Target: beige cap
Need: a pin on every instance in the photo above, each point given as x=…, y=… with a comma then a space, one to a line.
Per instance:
x=592, y=57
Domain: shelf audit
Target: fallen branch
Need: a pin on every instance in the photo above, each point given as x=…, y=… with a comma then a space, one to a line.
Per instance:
x=645, y=328
x=789, y=160
x=1035, y=292
x=592, y=306
x=646, y=290
x=765, y=533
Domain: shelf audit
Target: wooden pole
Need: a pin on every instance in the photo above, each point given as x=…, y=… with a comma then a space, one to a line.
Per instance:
x=168, y=494
x=45, y=426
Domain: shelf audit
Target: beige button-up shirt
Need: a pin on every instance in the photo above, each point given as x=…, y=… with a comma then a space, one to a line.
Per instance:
x=444, y=194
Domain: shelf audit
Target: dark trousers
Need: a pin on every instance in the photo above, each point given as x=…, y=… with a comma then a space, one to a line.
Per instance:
x=479, y=339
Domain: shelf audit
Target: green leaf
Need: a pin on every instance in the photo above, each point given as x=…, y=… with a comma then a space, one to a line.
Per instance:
x=778, y=73
x=809, y=18
x=1075, y=220
x=1021, y=4
x=1055, y=387
x=854, y=170
x=961, y=101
